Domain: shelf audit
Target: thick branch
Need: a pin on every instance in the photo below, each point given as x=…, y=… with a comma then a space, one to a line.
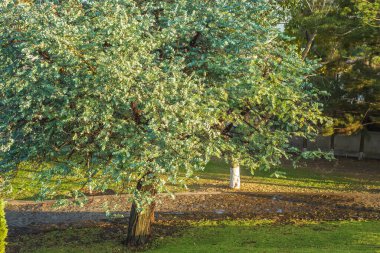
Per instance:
x=136, y=113
x=310, y=39
x=194, y=40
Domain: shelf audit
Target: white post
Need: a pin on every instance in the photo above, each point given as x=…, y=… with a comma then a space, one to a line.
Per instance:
x=235, y=176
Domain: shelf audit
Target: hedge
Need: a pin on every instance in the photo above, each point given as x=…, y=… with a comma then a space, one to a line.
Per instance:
x=3, y=227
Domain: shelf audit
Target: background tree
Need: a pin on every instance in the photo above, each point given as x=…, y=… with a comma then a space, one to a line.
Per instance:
x=367, y=11
x=344, y=34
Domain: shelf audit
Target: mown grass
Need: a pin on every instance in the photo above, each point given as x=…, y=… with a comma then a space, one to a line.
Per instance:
x=222, y=236
x=302, y=176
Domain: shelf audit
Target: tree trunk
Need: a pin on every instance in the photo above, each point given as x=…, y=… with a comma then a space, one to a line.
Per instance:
x=139, y=227
x=235, y=175
x=310, y=40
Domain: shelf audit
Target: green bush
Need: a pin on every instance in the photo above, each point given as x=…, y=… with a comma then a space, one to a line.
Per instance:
x=3, y=227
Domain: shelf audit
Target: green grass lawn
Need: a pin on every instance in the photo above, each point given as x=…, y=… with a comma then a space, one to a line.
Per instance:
x=299, y=177
x=226, y=236
x=218, y=172
x=223, y=236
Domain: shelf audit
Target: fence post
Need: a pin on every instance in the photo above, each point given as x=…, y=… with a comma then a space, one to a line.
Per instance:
x=361, y=148
x=332, y=143
x=304, y=144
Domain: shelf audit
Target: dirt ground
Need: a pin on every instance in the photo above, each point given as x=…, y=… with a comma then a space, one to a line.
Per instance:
x=215, y=201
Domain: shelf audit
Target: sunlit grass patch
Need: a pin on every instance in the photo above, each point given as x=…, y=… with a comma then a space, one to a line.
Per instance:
x=217, y=174
x=220, y=236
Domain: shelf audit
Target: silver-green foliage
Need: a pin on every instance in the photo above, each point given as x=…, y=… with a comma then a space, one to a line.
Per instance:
x=266, y=98
x=118, y=90
x=83, y=88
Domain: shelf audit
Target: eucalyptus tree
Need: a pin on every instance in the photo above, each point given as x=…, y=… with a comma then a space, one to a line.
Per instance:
x=84, y=91
x=123, y=92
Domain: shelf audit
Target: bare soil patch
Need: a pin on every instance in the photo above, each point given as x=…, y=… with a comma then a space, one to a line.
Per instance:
x=213, y=200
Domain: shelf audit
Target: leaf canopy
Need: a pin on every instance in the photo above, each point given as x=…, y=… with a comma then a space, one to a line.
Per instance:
x=118, y=91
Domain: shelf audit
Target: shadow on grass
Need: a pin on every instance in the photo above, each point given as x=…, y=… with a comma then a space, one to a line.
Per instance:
x=214, y=236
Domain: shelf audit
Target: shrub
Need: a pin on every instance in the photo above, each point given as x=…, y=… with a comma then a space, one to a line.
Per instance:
x=3, y=227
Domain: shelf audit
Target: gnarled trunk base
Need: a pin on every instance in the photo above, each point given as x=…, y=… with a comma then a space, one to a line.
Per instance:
x=139, y=227
x=140, y=222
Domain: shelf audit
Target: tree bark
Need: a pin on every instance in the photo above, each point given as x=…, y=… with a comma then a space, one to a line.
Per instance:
x=140, y=225
x=310, y=40
x=235, y=175
x=140, y=222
